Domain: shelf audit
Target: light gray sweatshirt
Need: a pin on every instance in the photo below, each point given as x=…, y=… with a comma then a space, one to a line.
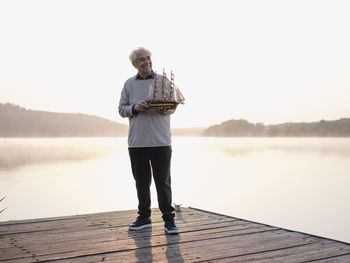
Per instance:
x=146, y=129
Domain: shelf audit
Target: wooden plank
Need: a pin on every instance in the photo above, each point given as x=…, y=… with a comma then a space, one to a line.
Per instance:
x=96, y=247
x=102, y=235
x=124, y=244
x=190, y=253
x=187, y=250
x=334, y=259
x=288, y=254
x=204, y=237
x=116, y=219
x=146, y=243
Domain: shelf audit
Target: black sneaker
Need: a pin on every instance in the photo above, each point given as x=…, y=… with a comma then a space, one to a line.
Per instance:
x=170, y=227
x=141, y=223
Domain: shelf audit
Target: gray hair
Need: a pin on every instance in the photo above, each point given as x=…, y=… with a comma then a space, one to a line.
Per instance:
x=133, y=55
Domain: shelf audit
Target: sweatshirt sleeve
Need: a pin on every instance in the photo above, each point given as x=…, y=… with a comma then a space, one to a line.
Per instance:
x=125, y=109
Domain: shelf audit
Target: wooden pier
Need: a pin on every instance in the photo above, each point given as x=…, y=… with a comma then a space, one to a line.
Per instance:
x=204, y=237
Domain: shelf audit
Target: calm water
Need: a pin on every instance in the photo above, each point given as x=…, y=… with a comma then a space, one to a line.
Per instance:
x=299, y=184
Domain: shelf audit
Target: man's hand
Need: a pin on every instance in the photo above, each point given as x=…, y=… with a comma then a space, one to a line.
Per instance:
x=141, y=106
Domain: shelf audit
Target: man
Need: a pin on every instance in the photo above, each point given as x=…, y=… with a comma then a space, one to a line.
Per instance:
x=149, y=143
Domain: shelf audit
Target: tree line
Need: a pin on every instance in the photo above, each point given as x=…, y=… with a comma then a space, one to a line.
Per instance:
x=243, y=128
x=16, y=121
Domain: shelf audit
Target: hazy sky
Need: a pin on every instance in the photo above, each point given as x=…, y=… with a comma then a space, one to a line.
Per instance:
x=263, y=61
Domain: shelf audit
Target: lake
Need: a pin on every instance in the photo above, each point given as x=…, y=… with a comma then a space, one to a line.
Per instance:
x=295, y=183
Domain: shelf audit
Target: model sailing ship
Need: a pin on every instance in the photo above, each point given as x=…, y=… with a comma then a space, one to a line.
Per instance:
x=164, y=94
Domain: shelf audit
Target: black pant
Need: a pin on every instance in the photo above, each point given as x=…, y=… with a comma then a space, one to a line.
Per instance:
x=144, y=162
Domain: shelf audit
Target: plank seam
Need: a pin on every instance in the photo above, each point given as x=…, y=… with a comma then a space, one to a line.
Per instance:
x=336, y=256
x=39, y=222
x=28, y=232
x=258, y=252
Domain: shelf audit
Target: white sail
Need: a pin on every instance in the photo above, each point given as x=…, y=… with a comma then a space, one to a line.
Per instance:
x=179, y=97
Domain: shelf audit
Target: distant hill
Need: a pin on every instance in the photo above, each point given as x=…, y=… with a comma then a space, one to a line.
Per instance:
x=243, y=128
x=16, y=121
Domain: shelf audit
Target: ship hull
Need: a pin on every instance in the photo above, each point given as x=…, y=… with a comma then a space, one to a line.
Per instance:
x=170, y=105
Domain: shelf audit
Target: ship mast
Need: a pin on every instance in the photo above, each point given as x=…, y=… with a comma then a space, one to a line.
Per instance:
x=163, y=83
x=172, y=86
x=155, y=85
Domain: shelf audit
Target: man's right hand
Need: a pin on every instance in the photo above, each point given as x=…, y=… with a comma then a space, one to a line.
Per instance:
x=141, y=106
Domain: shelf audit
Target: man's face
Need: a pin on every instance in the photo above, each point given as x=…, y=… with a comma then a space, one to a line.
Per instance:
x=143, y=63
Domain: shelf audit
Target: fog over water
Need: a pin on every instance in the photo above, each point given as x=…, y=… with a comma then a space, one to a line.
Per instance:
x=296, y=183
x=15, y=153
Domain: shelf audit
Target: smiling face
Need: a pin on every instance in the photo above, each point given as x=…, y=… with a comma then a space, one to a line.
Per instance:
x=143, y=63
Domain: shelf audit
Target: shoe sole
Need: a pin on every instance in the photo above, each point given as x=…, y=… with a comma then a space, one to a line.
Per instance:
x=171, y=231
x=139, y=227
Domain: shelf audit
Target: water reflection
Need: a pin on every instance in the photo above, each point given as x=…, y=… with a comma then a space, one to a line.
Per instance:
x=15, y=153
x=339, y=147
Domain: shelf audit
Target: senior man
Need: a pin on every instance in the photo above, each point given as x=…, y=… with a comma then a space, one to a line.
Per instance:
x=149, y=143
